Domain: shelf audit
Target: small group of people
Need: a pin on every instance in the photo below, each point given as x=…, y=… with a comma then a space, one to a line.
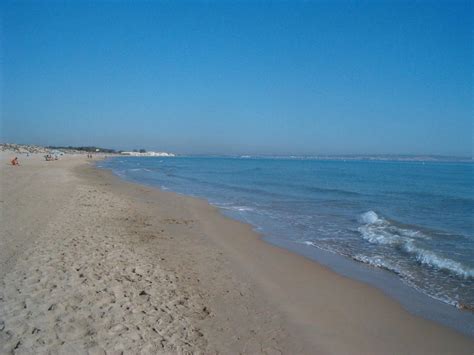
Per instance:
x=89, y=156
x=15, y=161
x=50, y=157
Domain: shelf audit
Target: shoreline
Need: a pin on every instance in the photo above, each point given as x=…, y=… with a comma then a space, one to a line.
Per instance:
x=413, y=309
x=232, y=291
x=411, y=299
x=414, y=300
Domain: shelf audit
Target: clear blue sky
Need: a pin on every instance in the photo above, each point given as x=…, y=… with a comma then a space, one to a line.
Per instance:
x=228, y=77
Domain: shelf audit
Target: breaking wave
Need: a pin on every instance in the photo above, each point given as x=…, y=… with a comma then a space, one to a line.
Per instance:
x=377, y=230
x=235, y=208
x=140, y=169
x=379, y=262
x=432, y=259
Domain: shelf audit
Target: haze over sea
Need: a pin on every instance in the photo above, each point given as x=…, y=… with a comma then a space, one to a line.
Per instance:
x=413, y=219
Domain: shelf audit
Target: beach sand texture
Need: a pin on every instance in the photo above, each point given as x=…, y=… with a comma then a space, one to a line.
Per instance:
x=92, y=264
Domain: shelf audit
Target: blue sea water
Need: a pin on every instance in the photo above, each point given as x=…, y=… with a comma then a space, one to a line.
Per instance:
x=414, y=219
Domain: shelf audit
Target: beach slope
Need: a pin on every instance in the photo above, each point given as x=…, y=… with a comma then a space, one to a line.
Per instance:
x=92, y=264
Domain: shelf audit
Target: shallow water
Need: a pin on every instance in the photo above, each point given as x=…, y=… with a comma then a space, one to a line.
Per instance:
x=414, y=219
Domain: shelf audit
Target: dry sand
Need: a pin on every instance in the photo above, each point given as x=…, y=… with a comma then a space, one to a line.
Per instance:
x=91, y=264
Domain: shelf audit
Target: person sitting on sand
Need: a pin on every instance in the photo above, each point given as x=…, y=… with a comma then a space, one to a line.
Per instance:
x=15, y=162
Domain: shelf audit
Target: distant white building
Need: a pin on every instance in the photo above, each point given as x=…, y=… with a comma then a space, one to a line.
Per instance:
x=148, y=154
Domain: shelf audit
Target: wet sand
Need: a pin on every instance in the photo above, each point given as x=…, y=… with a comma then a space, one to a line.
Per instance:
x=92, y=264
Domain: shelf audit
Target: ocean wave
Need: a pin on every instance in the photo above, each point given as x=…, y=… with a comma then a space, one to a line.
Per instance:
x=315, y=189
x=405, y=276
x=235, y=208
x=380, y=262
x=434, y=196
x=369, y=218
x=432, y=259
x=140, y=169
x=377, y=230
x=228, y=186
x=319, y=245
x=331, y=191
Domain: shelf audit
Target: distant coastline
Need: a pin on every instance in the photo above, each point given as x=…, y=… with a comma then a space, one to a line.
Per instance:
x=148, y=154
x=31, y=148
x=352, y=157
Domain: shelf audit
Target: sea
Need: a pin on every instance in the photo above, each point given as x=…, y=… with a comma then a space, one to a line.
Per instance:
x=405, y=226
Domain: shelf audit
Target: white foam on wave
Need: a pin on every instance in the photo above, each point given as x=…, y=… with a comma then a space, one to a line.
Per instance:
x=377, y=230
x=235, y=208
x=370, y=217
x=141, y=169
x=406, y=277
x=379, y=262
x=378, y=235
x=243, y=209
x=317, y=245
x=432, y=259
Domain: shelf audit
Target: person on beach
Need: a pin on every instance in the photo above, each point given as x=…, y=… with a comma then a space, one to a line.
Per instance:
x=15, y=162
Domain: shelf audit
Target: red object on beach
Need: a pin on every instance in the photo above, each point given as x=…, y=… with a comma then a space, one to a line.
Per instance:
x=14, y=161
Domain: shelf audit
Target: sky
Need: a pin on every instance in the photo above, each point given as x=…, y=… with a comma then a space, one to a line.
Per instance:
x=247, y=77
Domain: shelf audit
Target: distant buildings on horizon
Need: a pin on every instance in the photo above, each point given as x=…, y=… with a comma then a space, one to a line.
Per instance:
x=148, y=154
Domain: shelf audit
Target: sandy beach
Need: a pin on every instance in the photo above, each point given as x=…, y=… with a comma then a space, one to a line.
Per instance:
x=91, y=264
